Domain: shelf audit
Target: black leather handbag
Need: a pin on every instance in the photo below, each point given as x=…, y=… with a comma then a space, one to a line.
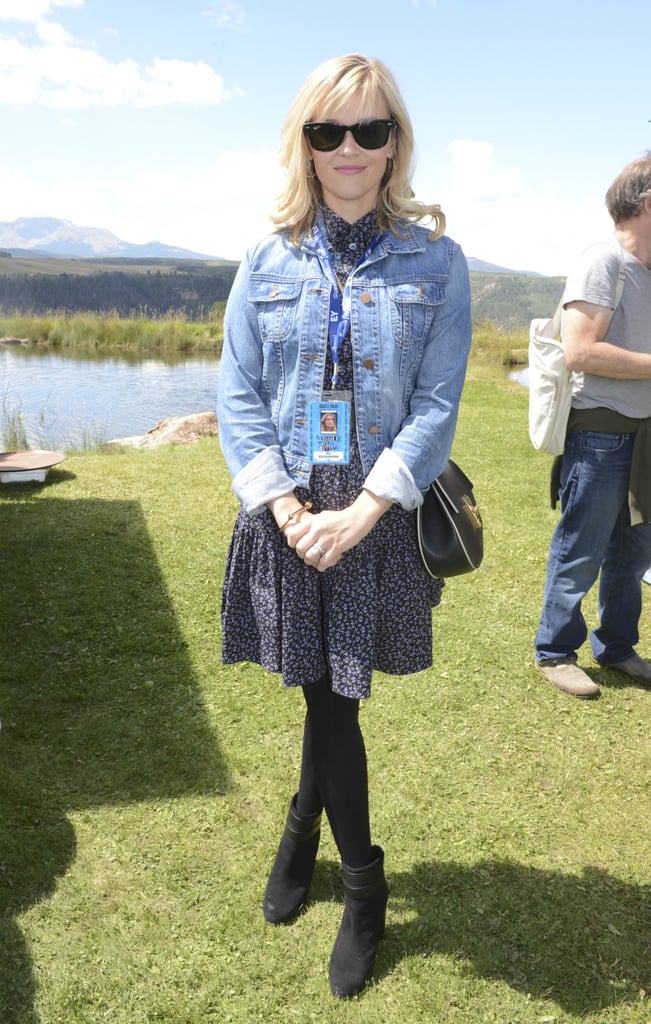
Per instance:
x=449, y=526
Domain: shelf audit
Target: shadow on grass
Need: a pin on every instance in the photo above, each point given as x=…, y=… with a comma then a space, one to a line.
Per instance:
x=581, y=941
x=98, y=700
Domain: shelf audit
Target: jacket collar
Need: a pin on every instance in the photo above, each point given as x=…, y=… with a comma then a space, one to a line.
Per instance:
x=412, y=240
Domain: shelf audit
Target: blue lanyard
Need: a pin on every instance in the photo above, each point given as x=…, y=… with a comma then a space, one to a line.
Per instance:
x=340, y=302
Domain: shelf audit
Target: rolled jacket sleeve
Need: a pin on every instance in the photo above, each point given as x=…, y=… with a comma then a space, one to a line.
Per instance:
x=425, y=438
x=391, y=479
x=262, y=479
x=247, y=434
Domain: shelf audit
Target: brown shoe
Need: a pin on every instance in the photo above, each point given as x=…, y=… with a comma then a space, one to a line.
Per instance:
x=568, y=677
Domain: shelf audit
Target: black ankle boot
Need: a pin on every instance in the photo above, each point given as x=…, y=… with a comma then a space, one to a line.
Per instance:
x=291, y=874
x=362, y=927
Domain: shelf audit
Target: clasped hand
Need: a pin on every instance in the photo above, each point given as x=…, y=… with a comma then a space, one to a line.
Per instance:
x=321, y=538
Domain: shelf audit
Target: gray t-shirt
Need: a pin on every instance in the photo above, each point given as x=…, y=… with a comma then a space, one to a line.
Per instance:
x=594, y=279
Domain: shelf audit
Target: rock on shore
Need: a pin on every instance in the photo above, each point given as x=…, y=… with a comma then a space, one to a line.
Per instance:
x=175, y=430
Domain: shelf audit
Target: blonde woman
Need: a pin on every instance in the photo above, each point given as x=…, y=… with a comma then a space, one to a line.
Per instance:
x=351, y=306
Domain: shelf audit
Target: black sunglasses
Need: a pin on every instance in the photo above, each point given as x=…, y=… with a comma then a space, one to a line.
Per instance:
x=325, y=136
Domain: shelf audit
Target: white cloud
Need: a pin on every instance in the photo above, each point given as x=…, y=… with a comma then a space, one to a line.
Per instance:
x=222, y=208
x=219, y=210
x=497, y=216
x=56, y=72
x=230, y=15
x=32, y=10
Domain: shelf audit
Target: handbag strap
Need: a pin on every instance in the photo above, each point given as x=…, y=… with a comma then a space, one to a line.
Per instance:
x=619, y=288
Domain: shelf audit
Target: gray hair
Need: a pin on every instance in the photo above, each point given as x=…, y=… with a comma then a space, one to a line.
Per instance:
x=630, y=188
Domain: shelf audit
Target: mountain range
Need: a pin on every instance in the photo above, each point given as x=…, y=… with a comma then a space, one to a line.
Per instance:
x=481, y=266
x=58, y=265
x=47, y=236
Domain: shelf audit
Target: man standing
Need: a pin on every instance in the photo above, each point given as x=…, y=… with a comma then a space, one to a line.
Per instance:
x=605, y=475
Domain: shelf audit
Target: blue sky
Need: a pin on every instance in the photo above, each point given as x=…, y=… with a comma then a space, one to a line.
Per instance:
x=160, y=120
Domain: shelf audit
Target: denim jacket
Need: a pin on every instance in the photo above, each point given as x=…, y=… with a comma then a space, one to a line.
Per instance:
x=410, y=334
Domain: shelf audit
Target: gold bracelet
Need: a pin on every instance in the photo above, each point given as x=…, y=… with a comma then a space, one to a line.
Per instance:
x=292, y=515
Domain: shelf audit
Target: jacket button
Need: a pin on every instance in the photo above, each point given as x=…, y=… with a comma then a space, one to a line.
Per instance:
x=374, y=430
x=369, y=364
x=366, y=298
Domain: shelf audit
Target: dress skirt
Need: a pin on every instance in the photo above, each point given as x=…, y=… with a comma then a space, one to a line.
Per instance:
x=373, y=610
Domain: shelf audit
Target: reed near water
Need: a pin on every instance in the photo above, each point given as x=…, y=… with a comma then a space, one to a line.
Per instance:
x=100, y=332
x=492, y=346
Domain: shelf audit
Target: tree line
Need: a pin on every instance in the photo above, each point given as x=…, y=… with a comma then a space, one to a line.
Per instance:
x=191, y=289
x=191, y=292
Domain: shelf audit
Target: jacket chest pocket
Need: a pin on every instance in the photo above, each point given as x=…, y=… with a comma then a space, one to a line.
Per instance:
x=413, y=308
x=276, y=305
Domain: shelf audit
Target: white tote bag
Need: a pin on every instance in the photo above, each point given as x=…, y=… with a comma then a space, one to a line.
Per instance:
x=550, y=381
x=550, y=385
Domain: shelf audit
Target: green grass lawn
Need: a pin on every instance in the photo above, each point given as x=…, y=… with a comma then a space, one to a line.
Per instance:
x=143, y=786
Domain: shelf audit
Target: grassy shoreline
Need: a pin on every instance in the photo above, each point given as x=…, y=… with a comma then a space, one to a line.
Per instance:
x=144, y=785
x=104, y=332
x=96, y=332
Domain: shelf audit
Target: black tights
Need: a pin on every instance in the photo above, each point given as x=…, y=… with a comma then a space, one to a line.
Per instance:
x=334, y=772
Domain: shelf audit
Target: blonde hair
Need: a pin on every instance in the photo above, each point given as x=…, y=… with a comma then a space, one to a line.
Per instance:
x=324, y=91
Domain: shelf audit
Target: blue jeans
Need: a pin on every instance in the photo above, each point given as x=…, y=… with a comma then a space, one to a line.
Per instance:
x=594, y=536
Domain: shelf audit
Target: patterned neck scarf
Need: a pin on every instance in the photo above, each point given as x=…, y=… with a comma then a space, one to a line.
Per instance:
x=347, y=242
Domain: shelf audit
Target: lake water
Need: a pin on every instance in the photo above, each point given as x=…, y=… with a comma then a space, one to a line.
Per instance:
x=66, y=402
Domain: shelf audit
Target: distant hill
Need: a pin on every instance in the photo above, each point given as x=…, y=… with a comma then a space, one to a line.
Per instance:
x=53, y=237
x=148, y=287
x=37, y=281
x=511, y=300
x=493, y=268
